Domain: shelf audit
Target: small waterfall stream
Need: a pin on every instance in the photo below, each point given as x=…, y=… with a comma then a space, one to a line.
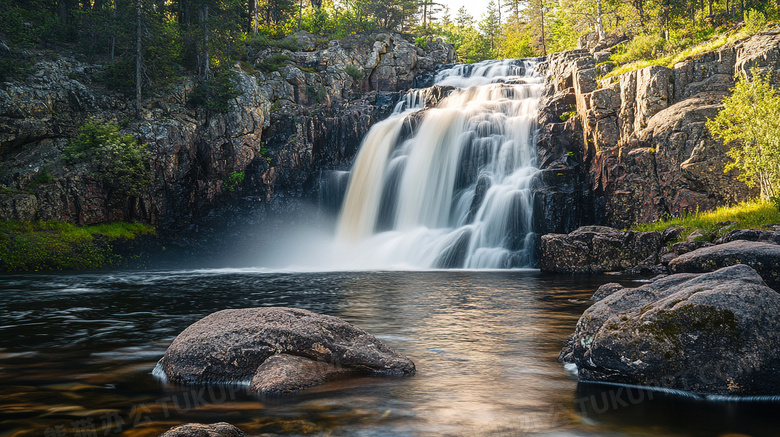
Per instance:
x=457, y=192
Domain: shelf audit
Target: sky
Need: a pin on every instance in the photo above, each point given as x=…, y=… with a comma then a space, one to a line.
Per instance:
x=475, y=7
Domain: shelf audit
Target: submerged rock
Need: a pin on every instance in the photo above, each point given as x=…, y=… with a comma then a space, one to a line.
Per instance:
x=279, y=349
x=764, y=258
x=712, y=333
x=221, y=429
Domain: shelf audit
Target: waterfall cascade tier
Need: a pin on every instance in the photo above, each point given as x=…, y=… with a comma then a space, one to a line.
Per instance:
x=448, y=186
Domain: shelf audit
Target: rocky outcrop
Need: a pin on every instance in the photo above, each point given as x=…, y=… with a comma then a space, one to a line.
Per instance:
x=598, y=249
x=764, y=258
x=280, y=132
x=279, y=350
x=713, y=333
x=639, y=143
x=221, y=429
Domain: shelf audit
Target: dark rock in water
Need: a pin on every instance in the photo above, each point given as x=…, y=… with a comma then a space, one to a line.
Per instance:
x=713, y=333
x=606, y=290
x=289, y=373
x=238, y=345
x=763, y=257
x=597, y=249
x=220, y=429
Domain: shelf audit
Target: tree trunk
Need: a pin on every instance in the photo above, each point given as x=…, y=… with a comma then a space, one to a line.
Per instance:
x=138, y=60
x=541, y=14
x=599, y=22
x=204, y=18
x=300, y=13
x=113, y=30
x=709, y=8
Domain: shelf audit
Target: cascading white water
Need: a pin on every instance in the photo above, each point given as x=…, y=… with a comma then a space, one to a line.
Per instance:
x=457, y=193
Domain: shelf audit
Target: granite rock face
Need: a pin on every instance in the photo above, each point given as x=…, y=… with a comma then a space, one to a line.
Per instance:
x=279, y=350
x=283, y=129
x=637, y=142
x=714, y=333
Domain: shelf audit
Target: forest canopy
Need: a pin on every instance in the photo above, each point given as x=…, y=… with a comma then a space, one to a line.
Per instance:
x=146, y=44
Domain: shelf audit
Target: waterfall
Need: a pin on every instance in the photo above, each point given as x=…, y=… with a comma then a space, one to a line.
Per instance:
x=457, y=191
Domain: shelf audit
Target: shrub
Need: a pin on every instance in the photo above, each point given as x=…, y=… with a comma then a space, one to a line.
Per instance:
x=215, y=94
x=232, y=181
x=355, y=72
x=261, y=42
x=748, y=120
x=120, y=162
x=421, y=42
x=273, y=63
x=755, y=22
x=644, y=46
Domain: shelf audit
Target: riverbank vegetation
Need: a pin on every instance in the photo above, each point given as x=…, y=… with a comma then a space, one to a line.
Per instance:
x=55, y=245
x=756, y=214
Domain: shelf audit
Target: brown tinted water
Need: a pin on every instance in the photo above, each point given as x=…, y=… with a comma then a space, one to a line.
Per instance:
x=77, y=354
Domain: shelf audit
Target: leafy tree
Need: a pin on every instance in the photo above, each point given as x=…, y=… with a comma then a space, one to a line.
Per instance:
x=748, y=120
x=120, y=162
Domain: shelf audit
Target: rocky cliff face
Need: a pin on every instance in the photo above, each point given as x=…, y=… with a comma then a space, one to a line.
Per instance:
x=284, y=128
x=636, y=148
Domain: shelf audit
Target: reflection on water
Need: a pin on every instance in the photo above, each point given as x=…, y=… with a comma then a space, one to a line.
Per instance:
x=76, y=353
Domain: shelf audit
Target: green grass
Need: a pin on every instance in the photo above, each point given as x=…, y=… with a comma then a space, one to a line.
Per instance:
x=669, y=61
x=55, y=245
x=755, y=214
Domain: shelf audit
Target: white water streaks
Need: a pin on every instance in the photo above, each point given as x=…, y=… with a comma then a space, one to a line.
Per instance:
x=457, y=191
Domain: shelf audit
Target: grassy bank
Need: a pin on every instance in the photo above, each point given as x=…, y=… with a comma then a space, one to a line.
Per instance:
x=754, y=214
x=54, y=245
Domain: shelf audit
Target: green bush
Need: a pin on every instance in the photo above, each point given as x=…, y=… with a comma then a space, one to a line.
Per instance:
x=755, y=21
x=120, y=162
x=421, y=42
x=44, y=177
x=119, y=77
x=14, y=66
x=261, y=42
x=232, y=181
x=355, y=72
x=215, y=94
x=273, y=63
x=776, y=202
x=748, y=122
x=644, y=46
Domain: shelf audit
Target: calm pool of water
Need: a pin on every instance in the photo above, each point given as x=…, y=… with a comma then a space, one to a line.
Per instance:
x=77, y=352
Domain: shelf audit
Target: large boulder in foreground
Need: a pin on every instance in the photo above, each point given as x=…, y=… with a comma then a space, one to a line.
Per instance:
x=716, y=333
x=598, y=249
x=221, y=429
x=764, y=258
x=279, y=350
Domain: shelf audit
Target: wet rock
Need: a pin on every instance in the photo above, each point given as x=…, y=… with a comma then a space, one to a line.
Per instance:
x=597, y=249
x=606, y=290
x=712, y=333
x=278, y=349
x=764, y=258
x=221, y=429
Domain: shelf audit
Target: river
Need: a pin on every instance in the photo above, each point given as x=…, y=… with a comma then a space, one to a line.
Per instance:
x=77, y=353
